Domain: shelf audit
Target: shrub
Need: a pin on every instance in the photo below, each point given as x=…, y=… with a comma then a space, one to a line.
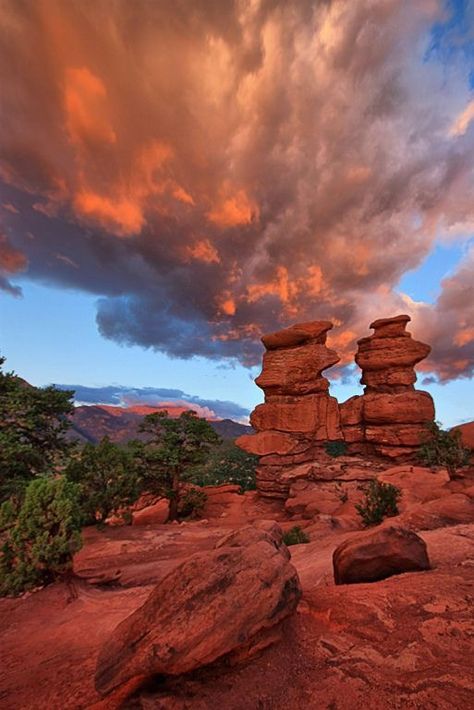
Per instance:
x=335, y=448
x=380, y=502
x=107, y=476
x=295, y=536
x=443, y=448
x=39, y=546
x=192, y=503
x=227, y=464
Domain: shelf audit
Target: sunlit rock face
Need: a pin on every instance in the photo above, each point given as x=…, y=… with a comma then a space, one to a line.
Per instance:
x=298, y=415
x=390, y=418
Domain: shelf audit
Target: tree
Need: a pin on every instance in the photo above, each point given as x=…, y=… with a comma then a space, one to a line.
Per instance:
x=33, y=423
x=108, y=479
x=174, y=448
x=38, y=547
x=227, y=463
x=444, y=448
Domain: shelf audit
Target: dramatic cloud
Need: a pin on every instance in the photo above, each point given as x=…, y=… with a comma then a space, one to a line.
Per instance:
x=11, y=261
x=214, y=170
x=171, y=399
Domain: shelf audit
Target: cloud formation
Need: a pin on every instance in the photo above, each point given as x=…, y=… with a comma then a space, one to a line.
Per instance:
x=216, y=170
x=160, y=397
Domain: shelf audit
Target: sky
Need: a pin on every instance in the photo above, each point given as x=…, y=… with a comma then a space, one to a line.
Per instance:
x=177, y=179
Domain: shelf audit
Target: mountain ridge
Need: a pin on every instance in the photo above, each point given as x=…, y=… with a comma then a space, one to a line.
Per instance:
x=90, y=423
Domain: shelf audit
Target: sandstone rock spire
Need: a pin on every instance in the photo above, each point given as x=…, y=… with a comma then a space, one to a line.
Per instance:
x=298, y=415
x=390, y=417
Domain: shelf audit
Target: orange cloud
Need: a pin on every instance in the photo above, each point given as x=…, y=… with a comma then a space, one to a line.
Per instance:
x=233, y=209
x=11, y=260
x=280, y=286
x=203, y=250
x=121, y=216
x=463, y=121
x=86, y=108
x=226, y=303
x=464, y=336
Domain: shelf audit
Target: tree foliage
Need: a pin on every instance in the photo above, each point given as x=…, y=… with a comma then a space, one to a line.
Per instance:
x=108, y=479
x=444, y=448
x=227, y=463
x=33, y=422
x=174, y=448
x=38, y=547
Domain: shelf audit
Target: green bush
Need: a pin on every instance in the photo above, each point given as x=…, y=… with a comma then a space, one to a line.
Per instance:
x=381, y=501
x=39, y=545
x=443, y=448
x=335, y=448
x=295, y=536
x=192, y=503
x=107, y=476
x=227, y=463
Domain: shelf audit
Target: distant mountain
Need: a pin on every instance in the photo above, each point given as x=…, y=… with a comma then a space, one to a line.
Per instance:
x=90, y=423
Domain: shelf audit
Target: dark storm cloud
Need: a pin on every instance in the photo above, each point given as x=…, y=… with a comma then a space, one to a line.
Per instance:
x=215, y=170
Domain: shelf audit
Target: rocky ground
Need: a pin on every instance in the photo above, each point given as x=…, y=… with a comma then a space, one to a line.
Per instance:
x=404, y=642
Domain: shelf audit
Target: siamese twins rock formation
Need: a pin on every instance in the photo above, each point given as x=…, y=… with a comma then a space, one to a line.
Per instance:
x=299, y=416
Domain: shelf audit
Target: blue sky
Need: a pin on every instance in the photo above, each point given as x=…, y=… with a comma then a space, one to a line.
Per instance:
x=49, y=335
x=169, y=195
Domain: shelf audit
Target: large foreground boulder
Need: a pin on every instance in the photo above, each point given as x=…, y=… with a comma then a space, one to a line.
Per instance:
x=214, y=604
x=376, y=555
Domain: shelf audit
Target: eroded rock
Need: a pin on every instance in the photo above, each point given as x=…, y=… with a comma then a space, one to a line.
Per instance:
x=375, y=555
x=214, y=604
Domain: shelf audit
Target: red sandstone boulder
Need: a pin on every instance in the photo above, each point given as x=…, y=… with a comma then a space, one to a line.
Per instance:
x=269, y=442
x=208, y=607
x=409, y=407
x=297, y=335
x=394, y=352
x=390, y=327
x=296, y=371
x=447, y=510
x=156, y=514
x=393, y=379
x=317, y=415
x=378, y=554
x=397, y=434
x=467, y=434
x=351, y=411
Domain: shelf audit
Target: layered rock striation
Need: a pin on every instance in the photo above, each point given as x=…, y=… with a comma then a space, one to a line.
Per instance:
x=390, y=418
x=298, y=415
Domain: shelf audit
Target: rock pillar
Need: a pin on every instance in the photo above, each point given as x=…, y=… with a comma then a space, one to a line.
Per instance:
x=390, y=418
x=298, y=415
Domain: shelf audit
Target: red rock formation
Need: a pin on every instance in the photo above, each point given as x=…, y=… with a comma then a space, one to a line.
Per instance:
x=390, y=418
x=193, y=618
x=298, y=415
